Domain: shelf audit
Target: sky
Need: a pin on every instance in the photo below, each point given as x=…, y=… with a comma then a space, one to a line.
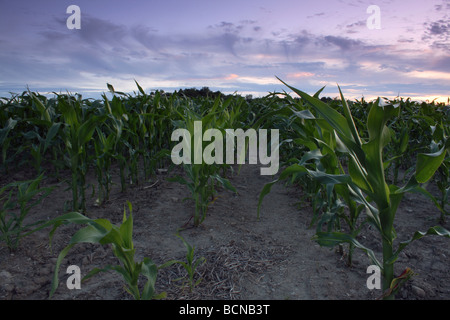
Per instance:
x=231, y=46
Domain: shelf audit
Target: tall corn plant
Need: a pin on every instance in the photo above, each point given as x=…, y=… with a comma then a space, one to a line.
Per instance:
x=202, y=178
x=366, y=179
x=312, y=146
x=442, y=178
x=104, y=148
x=77, y=131
x=6, y=136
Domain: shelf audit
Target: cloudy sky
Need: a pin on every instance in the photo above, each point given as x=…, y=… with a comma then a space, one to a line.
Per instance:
x=228, y=46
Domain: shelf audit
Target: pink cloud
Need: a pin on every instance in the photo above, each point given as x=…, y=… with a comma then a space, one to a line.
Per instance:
x=231, y=76
x=300, y=75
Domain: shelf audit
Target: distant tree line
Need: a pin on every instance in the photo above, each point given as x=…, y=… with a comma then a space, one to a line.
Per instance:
x=205, y=92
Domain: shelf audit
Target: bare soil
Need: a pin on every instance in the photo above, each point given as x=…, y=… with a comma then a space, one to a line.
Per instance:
x=272, y=258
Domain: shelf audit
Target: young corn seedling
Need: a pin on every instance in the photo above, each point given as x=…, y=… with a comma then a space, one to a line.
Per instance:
x=24, y=195
x=366, y=179
x=101, y=231
x=190, y=265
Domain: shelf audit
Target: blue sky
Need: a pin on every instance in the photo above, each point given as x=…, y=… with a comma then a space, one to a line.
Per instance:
x=228, y=46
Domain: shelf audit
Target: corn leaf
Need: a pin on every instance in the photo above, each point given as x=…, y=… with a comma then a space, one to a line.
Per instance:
x=332, y=116
x=150, y=271
x=437, y=230
x=41, y=108
x=126, y=229
x=331, y=239
x=427, y=164
x=61, y=256
x=140, y=88
x=10, y=124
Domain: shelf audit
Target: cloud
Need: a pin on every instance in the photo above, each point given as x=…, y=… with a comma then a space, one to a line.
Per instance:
x=445, y=5
x=148, y=37
x=439, y=28
x=356, y=27
x=300, y=75
x=441, y=63
x=243, y=55
x=343, y=43
x=434, y=75
x=319, y=14
x=438, y=33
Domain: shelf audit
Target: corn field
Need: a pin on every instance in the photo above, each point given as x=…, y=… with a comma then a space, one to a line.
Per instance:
x=350, y=162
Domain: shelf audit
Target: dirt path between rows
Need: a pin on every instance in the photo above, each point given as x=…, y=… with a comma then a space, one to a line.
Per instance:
x=272, y=258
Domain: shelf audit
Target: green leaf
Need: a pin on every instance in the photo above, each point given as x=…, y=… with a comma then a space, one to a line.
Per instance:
x=225, y=182
x=51, y=134
x=86, y=130
x=98, y=270
x=427, y=164
x=140, y=88
x=68, y=111
x=413, y=186
x=41, y=108
x=304, y=114
x=331, y=239
x=437, y=230
x=55, y=280
x=358, y=174
x=332, y=116
x=150, y=271
x=404, y=139
x=316, y=95
x=126, y=229
x=327, y=179
x=10, y=124
x=349, y=118
x=110, y=88
x=89, y=234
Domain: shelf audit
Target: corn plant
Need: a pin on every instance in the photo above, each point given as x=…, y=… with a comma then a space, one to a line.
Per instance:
x=366, y=178
x=442, y=179
x=103, y=157
x=313, y=147
x=24, y=195
x=190, y=265
x=443, y=183
x=41, y=144
x=77, y=130
x=5, y=140
x=101, y=231
x=202, y=177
